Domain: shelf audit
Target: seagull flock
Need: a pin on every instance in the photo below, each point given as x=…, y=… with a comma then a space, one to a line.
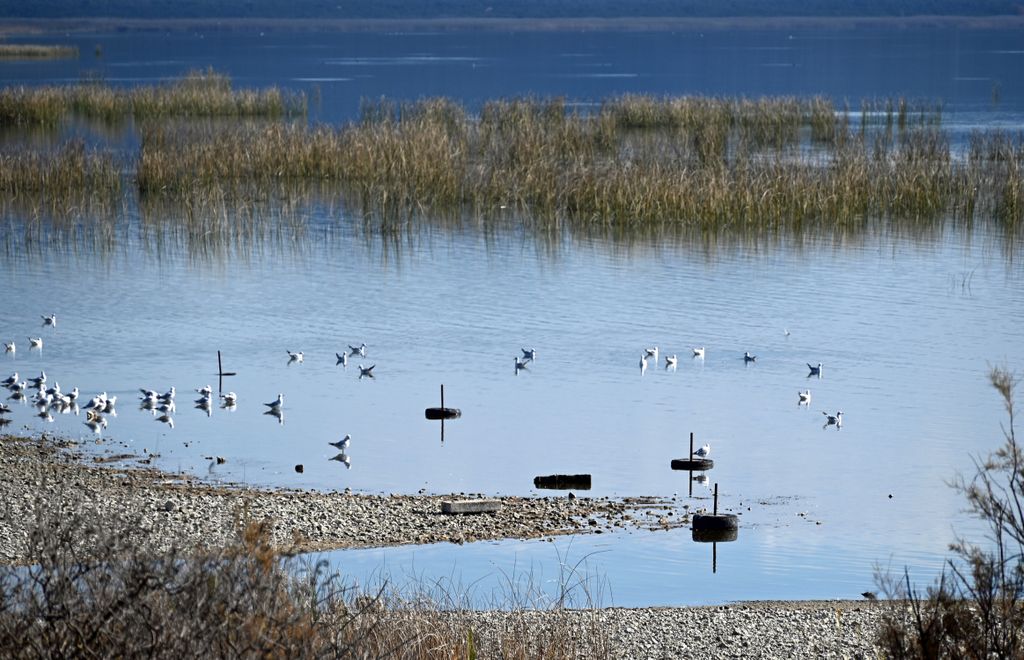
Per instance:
x=49, y=399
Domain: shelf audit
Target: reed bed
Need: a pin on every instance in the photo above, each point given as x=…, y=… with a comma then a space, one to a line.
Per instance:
x=37, y=51
x=637, y=164
x=197, y=94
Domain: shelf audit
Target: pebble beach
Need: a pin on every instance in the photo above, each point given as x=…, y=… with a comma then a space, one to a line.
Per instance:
x=181, y=510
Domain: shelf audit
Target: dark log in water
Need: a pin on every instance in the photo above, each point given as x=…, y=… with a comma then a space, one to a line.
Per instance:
x=563, y=481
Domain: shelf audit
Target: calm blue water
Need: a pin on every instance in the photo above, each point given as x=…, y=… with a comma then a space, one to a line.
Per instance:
x=906, y=327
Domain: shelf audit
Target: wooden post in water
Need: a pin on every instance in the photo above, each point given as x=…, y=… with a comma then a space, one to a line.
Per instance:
x=691, y=434
x=220, y=374
x=442, y=417
x=716, y=498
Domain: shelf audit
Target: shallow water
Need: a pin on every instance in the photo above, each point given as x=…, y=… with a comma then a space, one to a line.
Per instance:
x=907, y=328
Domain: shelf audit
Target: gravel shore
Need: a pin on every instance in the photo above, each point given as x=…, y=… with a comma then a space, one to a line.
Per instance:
x=184, y=511
x=181, y=510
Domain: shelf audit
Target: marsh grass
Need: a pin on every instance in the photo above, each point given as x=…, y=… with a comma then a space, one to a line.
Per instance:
x=37, y=51
x=98, y=588
x=196, y=94
x=635, y=165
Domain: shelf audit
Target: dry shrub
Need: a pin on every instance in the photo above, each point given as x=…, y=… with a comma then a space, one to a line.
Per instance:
x=977, y=608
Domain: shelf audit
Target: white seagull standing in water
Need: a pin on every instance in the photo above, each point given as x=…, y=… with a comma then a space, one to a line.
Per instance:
x=520, y=364
x=9, y=347
x=698, y=352
x=50, y=320
x=366, y=371
x=10, y=380
x=652, y=353
x=294, y=357
x=206, y=391
x=342, y=359
x=815, y=371
x=229, y=400
x=643, y=364
x=357, y=350
x=703, y=451
x=35, y=342
x=671, y=361
x=805, y=396
x=276, y=403
x=341, y=444
x=529, y=354
x=747, y=357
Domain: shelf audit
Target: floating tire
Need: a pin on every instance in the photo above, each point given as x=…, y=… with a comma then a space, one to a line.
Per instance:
x=442, y=413
x=696, y=464
x=715, y=535
x=563, y=482
x=720, y=522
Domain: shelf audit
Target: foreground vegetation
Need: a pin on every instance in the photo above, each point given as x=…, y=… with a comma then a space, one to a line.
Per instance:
x=977, y=608
x=93, y=593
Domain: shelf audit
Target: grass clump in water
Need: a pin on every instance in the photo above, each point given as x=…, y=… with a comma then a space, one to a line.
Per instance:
x=36, y=52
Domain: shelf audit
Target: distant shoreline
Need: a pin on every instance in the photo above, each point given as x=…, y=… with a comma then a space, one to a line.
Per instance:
x=15, y=26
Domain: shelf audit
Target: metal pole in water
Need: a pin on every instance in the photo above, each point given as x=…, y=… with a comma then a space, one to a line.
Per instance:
x=220, y=374
x=442, y=396
x=691, y=439
x=716, y=498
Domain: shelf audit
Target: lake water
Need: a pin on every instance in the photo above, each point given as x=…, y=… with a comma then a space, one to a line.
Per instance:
x=906, y=327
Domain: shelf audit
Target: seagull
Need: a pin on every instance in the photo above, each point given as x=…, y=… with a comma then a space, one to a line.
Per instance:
x=520, y=364
x=38, y=382
x=167, y=396
x=670, y=361
x=343, y=443
x=294, y=357
x=652, y=353
x=831, y=420
x=98, y=402
x=815, y=371
x=805, y=396
x=229, y=400
x=698, y=352
x=54, y=391
x=643, y=364
x=529, y=354
x=50, y=320
x=357, y=350
x=276, y=403
x=10, y=380
x=35, y=342
x=206, y=391
x=203, y=402
x=73, y=395
x=747, y=357
x=4, y=409
x=703, y=451
x=9, y=347
x=366, y=371
x=342, y=359
x=343, y=458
